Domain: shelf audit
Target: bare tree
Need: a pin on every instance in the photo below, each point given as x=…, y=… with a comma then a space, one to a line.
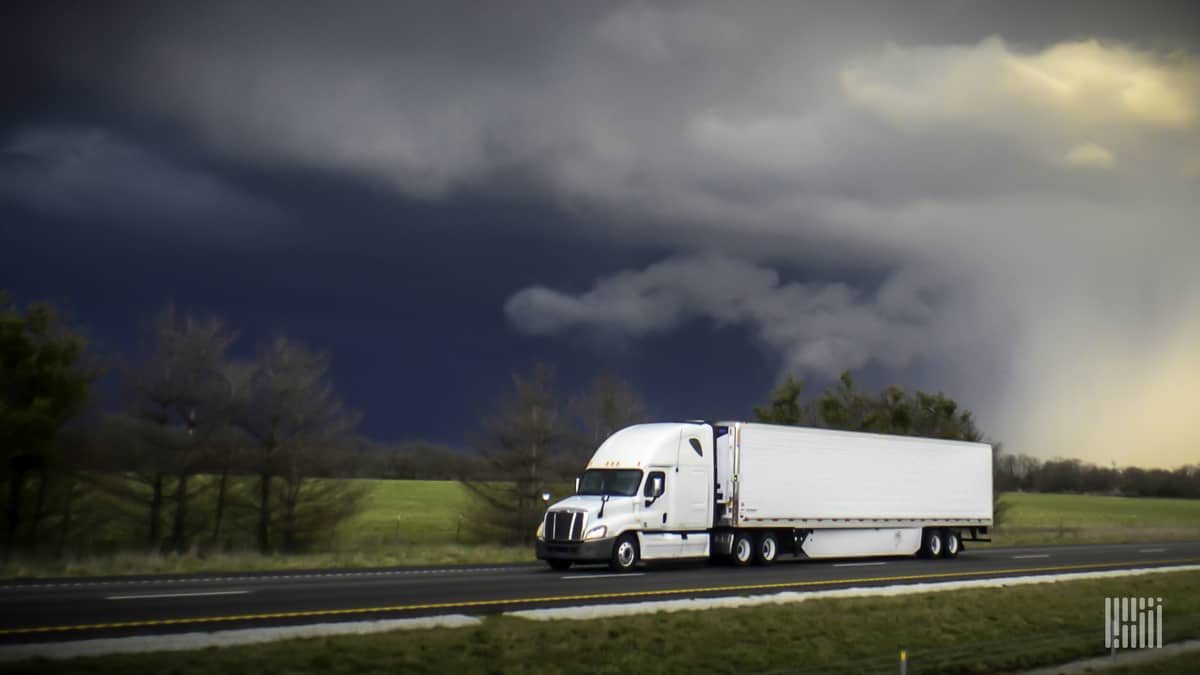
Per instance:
x=609, y=404
x=295, y=422
x=182, y=398
x=526, y=431
x=228, y=449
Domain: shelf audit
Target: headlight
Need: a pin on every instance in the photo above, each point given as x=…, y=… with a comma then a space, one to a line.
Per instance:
x=596, y=532
x=541, y=533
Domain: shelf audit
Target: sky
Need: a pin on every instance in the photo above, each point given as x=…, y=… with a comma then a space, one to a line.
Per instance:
x=992, y=199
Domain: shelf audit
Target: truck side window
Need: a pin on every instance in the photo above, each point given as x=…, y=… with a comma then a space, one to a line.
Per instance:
x=648, y=491
x=695, y=443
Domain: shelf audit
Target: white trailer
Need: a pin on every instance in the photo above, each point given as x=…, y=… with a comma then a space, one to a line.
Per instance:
x=748, y=492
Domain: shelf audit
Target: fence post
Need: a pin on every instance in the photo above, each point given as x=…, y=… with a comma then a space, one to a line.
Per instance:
x=903, y=662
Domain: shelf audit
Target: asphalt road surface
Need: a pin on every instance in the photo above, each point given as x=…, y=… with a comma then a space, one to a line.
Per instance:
x=68, y=609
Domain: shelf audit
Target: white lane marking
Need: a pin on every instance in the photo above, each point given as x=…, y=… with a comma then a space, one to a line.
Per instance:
x=145, y=596
x=601, y=576
x=866, y=564
x=1151, y=550
x=1027, y=557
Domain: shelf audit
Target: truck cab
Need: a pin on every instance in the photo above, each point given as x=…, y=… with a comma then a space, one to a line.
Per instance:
x=647, y=493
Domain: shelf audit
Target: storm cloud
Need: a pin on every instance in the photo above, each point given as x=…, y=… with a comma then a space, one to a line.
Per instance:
x=1025, y=193
x=817, y=327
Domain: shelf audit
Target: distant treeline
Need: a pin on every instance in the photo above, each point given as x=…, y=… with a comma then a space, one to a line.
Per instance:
x=1030, y=474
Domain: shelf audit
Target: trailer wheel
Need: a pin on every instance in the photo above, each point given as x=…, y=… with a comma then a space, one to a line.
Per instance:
x=931, y=546
x=743, y=549
x=560, y=565
x=953, y=544
x=625, y=554
x=767, y=549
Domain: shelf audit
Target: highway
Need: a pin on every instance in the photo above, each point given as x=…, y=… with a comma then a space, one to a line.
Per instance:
x=70, y=609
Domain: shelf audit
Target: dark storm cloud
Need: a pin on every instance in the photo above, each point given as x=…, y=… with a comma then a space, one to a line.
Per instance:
x=83, y=175
x=1036, y=161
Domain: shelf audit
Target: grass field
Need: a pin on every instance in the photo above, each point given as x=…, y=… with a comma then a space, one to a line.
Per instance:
x=407, y=513
x=966, y=631
x=422, y=523
x=1033, y=519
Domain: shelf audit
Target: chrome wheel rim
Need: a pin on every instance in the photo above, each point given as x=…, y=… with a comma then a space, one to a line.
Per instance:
x=625, y=554
x=952, y=544
x=935, y=544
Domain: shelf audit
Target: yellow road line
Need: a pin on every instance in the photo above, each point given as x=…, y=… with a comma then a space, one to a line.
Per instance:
x=585, y=596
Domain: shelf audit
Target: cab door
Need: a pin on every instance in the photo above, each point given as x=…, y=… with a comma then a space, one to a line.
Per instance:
x=656, y=537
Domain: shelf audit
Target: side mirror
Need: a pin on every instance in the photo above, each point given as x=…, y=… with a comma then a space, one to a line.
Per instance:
x=656, y=490
x=576, y=486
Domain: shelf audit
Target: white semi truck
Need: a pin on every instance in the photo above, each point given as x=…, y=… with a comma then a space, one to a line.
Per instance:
x=747, y=492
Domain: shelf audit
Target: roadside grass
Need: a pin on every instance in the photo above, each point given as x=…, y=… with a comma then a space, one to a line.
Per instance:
x=1039, y=519
x=966, y=631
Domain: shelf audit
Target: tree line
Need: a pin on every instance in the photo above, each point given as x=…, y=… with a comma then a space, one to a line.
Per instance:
x=209, y=453
x=245, y=439
x=1030, y=474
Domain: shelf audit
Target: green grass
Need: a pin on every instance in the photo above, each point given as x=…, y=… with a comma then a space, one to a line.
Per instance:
x=1036, y=519
x=407, y=513
x=403, y=523
x=973, y=631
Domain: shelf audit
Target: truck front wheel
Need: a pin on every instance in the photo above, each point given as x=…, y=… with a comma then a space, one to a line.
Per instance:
x=625, y=553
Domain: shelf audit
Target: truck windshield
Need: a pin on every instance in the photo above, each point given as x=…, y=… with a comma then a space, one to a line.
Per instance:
x=617, y=482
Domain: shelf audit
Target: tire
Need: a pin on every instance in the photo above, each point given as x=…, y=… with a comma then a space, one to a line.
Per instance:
x=767, y=549
x=560, y=565
x=625, y=553
x=931, y=543
x=743, y=549
x=952, y=544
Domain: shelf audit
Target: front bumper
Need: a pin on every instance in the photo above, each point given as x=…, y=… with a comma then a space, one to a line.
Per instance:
x=599, y=550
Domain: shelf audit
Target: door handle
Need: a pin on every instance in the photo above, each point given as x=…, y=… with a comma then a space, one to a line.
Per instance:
x=664, y=518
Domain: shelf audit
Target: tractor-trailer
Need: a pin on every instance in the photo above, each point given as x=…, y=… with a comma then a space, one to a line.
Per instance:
x=748, y=493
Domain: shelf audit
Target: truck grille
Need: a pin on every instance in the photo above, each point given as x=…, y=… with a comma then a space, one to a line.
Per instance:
x=564, y=526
